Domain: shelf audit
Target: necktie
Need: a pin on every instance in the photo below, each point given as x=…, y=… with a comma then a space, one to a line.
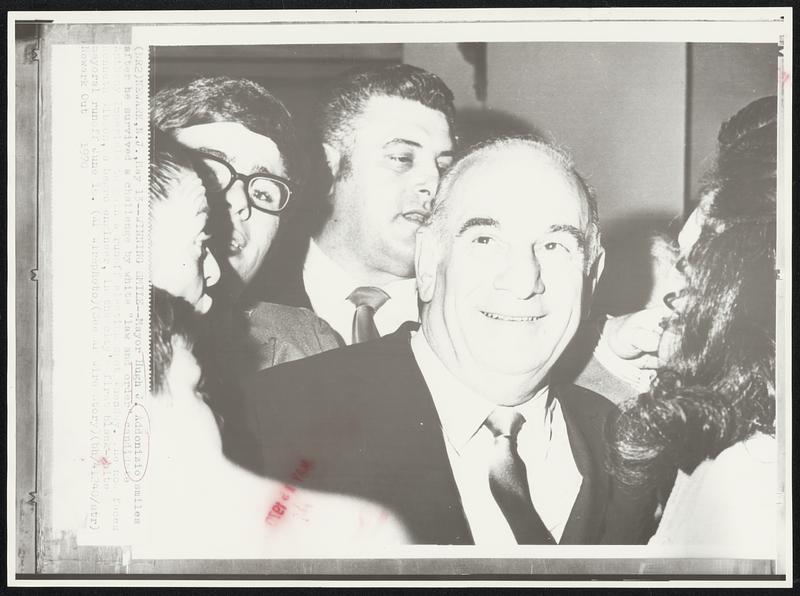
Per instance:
x=367, y=300
x=508, y=479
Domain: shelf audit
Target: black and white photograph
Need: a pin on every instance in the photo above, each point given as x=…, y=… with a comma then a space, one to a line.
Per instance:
x=463, y=297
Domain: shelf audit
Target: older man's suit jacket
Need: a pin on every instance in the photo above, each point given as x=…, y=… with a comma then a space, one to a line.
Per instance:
x=363, y=418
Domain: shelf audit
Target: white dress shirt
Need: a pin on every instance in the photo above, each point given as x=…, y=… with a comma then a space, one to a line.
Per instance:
x=729, y=506
x=328, y=287
x=543, y=446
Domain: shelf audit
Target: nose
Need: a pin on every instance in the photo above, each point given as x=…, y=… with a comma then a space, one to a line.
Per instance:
x=238, y=206
x=427, y=184
x=522, y=276
x=211, y=270
x=425, y=199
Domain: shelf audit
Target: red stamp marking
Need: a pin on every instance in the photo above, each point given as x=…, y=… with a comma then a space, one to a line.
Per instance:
x=103, y=461
x=279, y=507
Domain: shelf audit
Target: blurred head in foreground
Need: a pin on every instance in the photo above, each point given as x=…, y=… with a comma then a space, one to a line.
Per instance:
x=181, y=262
x=177, y=406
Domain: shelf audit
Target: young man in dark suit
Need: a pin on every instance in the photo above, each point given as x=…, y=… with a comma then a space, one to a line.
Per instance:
x=455, y=426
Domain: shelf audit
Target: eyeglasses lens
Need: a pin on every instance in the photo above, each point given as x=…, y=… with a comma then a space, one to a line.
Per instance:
x=268, y=194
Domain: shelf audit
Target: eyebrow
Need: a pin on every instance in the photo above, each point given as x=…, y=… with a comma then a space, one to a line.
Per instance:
x=579, y=237
x=261, y=170
x=415, y=144
x=400, y=141
x=214, y=152
x=223, y=156
x=474, y=222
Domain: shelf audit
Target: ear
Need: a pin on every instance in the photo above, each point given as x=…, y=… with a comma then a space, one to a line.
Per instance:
x=332, y=157
x=597, y=269
x=426, y=262
x=590, y=281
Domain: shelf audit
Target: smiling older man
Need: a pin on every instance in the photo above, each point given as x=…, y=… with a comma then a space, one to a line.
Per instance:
x=455, y=426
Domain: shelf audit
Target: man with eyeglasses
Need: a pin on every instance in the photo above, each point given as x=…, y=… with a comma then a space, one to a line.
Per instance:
x=239, y=132
x=387, y=135
x=243, y=146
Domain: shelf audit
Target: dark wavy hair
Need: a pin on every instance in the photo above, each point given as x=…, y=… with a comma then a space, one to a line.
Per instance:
x=718, y=387
x=348, y=97
x=223, y=99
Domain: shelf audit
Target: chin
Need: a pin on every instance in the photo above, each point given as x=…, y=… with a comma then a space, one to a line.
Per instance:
x=509, y=355
x=398, y=256
x=400, y=268
x=244, y=273
x=516, y=367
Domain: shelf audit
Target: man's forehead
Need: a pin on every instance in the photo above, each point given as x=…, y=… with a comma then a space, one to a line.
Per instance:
x=399, y=116
x=518, y=179
x=525, y=160
x=236, y=144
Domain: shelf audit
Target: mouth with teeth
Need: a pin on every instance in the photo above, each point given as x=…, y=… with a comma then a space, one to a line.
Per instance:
x=416, y=217
x=513, y=319
x=236, y=244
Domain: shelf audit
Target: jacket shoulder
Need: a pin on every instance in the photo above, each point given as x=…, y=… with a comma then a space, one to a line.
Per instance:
x=282, y=315
x=585, y=401
x=294, y=329
x=352, y=370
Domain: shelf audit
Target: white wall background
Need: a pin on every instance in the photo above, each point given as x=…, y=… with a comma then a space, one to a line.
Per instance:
x=626, y=112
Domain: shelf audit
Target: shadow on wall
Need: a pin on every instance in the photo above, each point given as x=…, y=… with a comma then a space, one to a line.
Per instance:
x=636, y=270
x=474, y=125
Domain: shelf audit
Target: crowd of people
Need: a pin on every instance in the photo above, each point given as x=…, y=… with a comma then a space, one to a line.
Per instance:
x=395, y=376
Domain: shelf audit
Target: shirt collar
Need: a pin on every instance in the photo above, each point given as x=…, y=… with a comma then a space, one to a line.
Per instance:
x=319, y=267
x=462, y=411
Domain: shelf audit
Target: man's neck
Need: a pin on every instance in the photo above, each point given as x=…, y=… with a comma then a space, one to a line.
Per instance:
x=351, y=261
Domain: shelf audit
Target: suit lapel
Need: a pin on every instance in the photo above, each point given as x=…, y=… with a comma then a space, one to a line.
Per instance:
x=583, y=524
x=438, y=513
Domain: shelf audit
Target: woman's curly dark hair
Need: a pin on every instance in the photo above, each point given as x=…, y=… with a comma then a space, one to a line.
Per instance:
x=718, y=387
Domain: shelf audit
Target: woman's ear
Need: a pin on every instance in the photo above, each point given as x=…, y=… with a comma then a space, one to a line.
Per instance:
x=426, y=263
x=332, y=157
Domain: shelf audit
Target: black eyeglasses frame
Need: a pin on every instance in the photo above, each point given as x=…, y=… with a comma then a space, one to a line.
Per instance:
x=285, y=183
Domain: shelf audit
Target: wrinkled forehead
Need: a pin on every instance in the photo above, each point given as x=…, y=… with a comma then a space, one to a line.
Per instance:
x=518, y=180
